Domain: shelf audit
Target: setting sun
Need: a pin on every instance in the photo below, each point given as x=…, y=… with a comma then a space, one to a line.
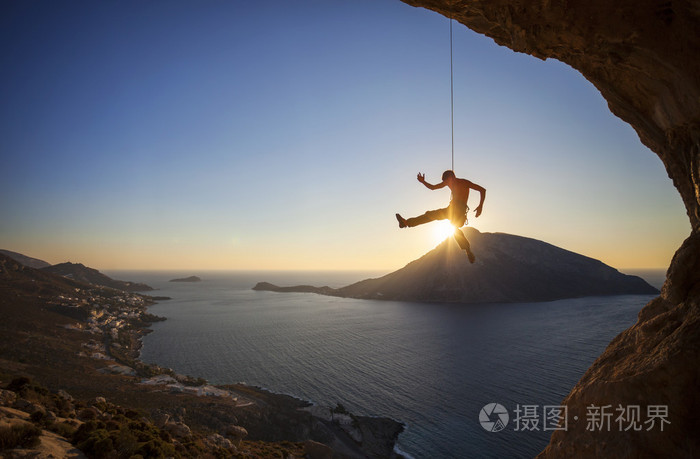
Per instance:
x=442, y=230
x=293, y=196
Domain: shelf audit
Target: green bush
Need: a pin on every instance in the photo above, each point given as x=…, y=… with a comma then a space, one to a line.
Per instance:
x=85, y=431
x=112, y=425
x=62, y=405
x=156, y=449
x=126, y=443
x=123, y=439
x=24, y=435
x=24, y=387
x=63, y=429
x=96, y=444
x=102, y=447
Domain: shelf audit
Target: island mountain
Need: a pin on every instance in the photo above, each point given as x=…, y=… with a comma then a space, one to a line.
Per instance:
x=187, y=279
x=82, y=273
x=509, y=268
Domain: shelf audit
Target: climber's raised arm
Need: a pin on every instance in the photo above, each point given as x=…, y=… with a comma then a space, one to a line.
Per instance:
x=421, y=179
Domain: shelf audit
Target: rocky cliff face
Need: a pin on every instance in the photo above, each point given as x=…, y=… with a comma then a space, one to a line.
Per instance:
x=644, y=57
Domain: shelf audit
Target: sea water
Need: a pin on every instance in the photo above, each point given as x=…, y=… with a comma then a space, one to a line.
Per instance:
x=430, y=366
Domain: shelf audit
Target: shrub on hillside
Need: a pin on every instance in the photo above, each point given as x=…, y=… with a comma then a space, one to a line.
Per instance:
x=63, y=429
x=122, y=440
x=16, y=436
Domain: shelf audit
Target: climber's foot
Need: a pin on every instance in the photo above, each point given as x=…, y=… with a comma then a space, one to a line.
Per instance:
x=402, y=221
x=471, y=256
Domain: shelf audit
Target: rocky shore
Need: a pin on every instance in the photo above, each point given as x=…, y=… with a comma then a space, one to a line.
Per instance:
x=73, y=386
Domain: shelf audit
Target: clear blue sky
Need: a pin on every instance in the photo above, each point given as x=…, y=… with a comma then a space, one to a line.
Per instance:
x=280, y=135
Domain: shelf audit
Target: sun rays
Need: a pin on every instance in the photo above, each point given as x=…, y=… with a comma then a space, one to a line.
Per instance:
x=442, y=229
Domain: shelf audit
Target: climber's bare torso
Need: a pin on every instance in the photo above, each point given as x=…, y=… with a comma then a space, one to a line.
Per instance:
x=459, y=188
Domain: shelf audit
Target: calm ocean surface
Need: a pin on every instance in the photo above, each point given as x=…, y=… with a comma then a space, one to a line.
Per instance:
x=430, y=366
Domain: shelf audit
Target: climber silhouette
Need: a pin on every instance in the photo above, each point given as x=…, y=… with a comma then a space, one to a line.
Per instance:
x=455, y=212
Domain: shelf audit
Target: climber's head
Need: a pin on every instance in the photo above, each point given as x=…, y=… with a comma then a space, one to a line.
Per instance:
x=448, y=176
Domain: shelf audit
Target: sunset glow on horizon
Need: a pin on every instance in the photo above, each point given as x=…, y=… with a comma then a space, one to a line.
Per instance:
x=441, y=230
x=180, y=135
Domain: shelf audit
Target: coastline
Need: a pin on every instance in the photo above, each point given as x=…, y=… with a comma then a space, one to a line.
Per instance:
x=374, y=436
x=237, y=325
x=82, y=343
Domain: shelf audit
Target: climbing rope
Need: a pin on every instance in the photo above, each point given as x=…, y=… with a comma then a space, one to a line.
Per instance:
x=452, y=100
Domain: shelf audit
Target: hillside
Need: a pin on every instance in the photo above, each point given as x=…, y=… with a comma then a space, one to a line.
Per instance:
x=25, y=260
x=509, y=268
x=82, y=273
x=70, y=352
